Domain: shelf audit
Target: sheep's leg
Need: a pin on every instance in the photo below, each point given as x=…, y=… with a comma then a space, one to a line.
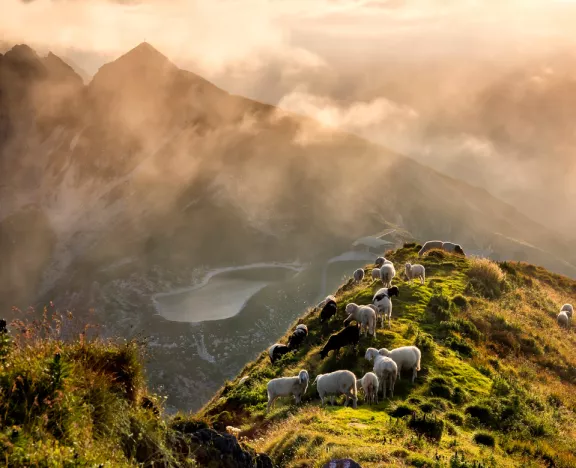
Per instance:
x=271, y=403
x=392, y=386
x=414, y=373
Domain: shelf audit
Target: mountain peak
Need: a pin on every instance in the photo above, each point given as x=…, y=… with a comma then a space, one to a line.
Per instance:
x=145, y=54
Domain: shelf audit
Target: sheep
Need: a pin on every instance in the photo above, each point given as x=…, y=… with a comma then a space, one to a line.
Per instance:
x=385, y=368
x=379, y=262
x=415, y=271
x=405, y=357
x=286, y=386
x=364, y=315
x=383, y=303
x=277, y=350
x=435, y=244
x=452, y=248
x=341, y=382
x=328, y=311
x=347, y=336
x=370, y=386
x=358, y=275
x=563, y=319
x=568, y=309
x=298, y=336
x=376, y=274
x=387, y=272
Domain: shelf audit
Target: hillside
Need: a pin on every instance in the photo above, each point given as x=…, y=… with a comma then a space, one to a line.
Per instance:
x=497, y=385
x=148, y=177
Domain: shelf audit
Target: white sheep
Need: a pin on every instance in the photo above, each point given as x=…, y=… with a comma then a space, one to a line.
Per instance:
x=364, y=315
x=385, y=368
x=405, y=357
x=358, y=275
x=387, y=272
x=415, y=271
x=568, y=309
x=435, y=244
x=563, y=319
x=286, y=386
x=342, y=382
x=370, y=386
x=376, y=274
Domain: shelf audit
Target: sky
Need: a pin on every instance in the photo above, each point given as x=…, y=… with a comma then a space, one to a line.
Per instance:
x=459, y=85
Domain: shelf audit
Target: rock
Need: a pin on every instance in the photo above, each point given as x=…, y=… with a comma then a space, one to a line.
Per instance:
x=342, y=463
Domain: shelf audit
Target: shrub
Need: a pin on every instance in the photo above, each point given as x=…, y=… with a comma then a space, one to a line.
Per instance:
x=459, y=395
x=439, y=305
x=456, y=418
x=460, y=301
x=439, y=387
x=486, y=277
x=460, y=325
x=430, y=427
x=481, y=413
x=458, y=344
x=402, y=410
x=484, y=438
x=424, y=342
x=427, y=407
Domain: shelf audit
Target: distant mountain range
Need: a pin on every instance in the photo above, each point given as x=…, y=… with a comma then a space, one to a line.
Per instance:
x=152, y=165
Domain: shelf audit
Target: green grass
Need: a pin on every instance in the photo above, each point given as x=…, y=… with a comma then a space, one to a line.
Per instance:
x=496, y=385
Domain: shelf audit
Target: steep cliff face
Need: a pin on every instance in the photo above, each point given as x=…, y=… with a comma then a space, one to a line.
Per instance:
x=495, y=386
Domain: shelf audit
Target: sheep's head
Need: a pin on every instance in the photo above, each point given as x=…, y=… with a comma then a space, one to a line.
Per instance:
x=351, y=308
x=384, y=352
x=393, y=291
x=379, y=261
x=302, y=327
x=303, y=376
x=371, y=354
x=459, y=250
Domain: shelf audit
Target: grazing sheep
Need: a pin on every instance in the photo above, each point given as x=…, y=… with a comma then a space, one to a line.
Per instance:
x=298, y=336
x=383, y=303
x=286, y=386
x=364, y=315
x=370, y=386
x=405, y=357
x=385, y=368
x=358, y=275
x=376, y=274
x=342, y=382
x=568, y=309
x=435, y=244
x=415, y=271
x=328, y=311
x=345, y=337
x=446, y=246
x=452, y=248
x=387, y=272
x=277, y=350
x=563, y=319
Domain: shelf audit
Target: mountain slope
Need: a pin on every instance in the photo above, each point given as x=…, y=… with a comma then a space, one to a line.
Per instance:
x=494, y=362
x=150, y=176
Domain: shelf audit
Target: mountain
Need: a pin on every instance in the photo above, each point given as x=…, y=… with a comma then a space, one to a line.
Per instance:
x=495, y=386
x=149, y=177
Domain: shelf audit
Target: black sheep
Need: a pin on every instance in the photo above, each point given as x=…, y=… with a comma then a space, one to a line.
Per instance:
x=345, y=337
x=276, y=351
x=328, y=311
x=393, y=291
x=297, y=336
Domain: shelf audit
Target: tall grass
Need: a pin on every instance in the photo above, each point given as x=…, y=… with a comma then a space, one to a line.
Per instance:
x=485, y=277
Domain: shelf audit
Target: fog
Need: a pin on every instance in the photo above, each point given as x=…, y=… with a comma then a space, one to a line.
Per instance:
x=479, y=90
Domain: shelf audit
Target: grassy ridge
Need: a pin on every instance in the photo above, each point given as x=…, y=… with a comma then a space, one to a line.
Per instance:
x=497, y=385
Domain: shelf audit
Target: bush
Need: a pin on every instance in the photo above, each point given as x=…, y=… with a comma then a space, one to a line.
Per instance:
x=427, y=407
x=461, y=346
x=460, y=301
x=455, y=418
x=424, y=342
x=486, y=277
x=402, y=410
x=481, y=413
x=484, y=438
x=430, y=427
x=460, y=325
x=440, y=306
x=459, y=395
x=439, y=387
